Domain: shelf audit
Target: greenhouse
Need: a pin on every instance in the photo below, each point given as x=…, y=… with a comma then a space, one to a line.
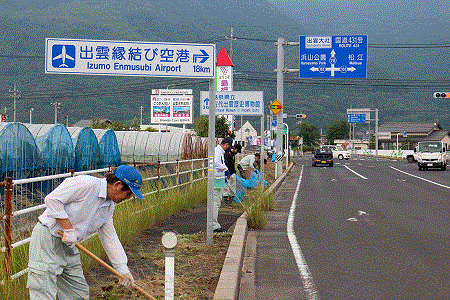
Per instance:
x=145, y=146
x=109, y=148
x=19, y=155
x=86, y=148
x=55, y=146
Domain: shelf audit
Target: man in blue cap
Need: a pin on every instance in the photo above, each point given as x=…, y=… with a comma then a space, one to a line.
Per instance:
x=79, y=206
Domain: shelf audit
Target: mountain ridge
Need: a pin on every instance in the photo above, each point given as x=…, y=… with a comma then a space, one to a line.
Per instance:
x=22, y=32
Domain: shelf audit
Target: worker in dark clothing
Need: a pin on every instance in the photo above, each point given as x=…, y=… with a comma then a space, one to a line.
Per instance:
x=230, y=187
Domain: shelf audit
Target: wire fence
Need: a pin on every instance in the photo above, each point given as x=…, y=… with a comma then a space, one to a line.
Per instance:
x=24, y=198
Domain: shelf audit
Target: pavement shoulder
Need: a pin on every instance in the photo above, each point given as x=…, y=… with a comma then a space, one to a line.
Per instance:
x=228, y=287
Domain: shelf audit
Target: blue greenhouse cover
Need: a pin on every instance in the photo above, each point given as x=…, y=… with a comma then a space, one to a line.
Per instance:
x=19, y=155
x=55, y=145
x=109, y=148
x=87, y=151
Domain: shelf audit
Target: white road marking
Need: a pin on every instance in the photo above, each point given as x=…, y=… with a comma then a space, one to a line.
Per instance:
x=356, y=173
x=444, y=186
x=307, y=278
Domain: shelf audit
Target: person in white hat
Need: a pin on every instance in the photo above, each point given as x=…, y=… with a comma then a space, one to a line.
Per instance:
x=79, y=206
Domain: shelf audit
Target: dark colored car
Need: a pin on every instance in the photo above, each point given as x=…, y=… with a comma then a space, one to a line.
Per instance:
x=322, y=156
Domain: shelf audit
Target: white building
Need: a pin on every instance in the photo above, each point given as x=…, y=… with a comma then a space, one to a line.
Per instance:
x=246, y=131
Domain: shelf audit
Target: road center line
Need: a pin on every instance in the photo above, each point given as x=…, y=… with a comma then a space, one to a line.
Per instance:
x=355, y=172
x=307, y=279
x=444, y=186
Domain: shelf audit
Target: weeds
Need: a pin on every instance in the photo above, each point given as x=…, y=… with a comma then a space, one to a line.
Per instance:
x=255, y=206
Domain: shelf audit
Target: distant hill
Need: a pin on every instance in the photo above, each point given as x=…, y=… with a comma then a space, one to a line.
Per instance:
x=24, y=26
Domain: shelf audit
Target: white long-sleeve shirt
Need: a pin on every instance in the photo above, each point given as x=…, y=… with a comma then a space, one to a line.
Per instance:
x=82, y=200
x=219, y=161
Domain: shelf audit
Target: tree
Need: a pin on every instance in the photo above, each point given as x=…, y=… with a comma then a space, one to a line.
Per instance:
x=372, y=141
x=135, y=126
x=201, y=126
x=339, y=130
x=310, y=134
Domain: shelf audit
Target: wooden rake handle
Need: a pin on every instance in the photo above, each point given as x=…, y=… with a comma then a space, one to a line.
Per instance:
x=111, y=269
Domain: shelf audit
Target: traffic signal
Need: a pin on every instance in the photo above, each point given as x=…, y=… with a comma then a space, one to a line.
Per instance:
x=441, y=95
x=300, y=116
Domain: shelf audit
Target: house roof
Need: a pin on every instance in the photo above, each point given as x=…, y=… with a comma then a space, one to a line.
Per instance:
x=437, y=135
x=409, y=127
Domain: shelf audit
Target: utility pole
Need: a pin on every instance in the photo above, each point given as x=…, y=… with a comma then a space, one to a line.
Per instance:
x=231, y=38
x=141, y=114
x=15, y=96
x=31, y=119
x=56, y=105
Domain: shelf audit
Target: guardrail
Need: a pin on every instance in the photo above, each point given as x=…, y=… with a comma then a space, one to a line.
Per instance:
x=24, y=198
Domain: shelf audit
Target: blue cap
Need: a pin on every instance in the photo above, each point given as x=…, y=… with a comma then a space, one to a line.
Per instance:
x=131, y=177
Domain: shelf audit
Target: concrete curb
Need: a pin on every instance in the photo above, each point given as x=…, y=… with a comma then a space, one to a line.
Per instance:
x=230, y=276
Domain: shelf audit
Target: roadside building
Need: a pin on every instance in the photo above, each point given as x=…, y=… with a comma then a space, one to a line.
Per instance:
x=246, y=131
x=415, y=132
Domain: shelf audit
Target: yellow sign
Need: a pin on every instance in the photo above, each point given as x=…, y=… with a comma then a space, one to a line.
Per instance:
x=276, y=107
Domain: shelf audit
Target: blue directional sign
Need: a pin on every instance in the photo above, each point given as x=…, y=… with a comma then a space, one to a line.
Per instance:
x=129, y=58
x=356, y=118
x=340, y=56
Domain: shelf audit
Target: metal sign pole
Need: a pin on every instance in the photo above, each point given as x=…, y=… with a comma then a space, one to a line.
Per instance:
x=280, y=93
x=262, y=150
x=211, y=168
x=376, y=132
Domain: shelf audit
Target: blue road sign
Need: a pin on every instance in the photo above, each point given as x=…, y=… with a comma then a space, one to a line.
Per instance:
x=129, y=58
x=356, y=118
x=340, y=56
x=274, y=123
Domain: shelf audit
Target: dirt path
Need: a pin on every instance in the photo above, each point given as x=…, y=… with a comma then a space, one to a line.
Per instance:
x=197, y=265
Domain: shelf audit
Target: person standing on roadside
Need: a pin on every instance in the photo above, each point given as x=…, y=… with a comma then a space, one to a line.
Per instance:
x=79, y=206
x=230, y=161
x=221, y=172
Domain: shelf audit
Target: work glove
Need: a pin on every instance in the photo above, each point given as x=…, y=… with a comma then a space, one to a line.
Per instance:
x=127, y=281
x=69, y=237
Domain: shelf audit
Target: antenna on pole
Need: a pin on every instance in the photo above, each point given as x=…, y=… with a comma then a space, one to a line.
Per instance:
x=56, y=105
x=15, y=96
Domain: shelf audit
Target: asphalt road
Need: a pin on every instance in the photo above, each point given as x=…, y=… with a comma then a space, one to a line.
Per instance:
x=367, y=228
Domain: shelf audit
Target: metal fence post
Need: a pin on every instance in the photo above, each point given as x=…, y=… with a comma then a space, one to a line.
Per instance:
x=177, y=177
x=192, y=173
x=7, y=218
x=203, y=167
x=158, y=171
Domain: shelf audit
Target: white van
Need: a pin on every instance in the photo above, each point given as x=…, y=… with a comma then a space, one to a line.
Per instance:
x=432, y=154
x=338, y=152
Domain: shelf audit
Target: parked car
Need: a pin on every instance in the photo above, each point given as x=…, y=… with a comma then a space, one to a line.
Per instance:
x=338, y=152
x=322, y=156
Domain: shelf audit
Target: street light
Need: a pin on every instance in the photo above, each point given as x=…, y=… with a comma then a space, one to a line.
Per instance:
x=31, y=110
x=404, y=135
